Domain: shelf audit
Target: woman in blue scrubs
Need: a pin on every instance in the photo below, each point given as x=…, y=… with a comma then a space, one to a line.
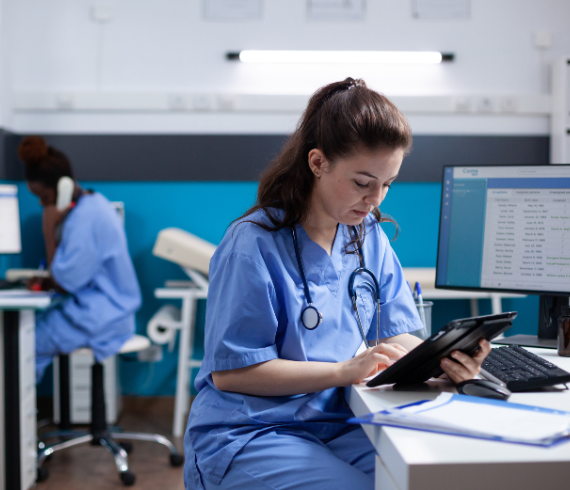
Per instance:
x=270, y=410
x=87, y=255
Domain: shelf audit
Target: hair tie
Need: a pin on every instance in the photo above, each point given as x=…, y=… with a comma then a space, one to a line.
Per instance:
x=354, y=83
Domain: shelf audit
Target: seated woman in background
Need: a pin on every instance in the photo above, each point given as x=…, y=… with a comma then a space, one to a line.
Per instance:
x=87, y=255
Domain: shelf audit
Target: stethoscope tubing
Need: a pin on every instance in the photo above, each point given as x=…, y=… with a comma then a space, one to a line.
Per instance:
x=301, y=266
x=362, y=270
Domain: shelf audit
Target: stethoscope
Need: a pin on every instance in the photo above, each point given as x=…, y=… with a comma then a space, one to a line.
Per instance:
x=311, y=317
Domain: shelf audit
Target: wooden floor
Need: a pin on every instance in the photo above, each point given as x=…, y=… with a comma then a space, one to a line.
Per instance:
x=87, y=467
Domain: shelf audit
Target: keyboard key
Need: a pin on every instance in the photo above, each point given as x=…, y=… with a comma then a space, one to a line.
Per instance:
x=522, y=370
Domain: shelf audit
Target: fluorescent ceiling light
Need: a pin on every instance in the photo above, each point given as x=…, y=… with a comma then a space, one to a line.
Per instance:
x=340, y=57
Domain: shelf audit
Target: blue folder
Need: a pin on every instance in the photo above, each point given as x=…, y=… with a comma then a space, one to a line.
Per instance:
x=456, y=415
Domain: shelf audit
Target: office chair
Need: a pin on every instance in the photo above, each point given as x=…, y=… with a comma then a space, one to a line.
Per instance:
x=99, y=432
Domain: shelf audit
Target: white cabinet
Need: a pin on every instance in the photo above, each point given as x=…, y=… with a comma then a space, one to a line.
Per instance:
x=28, y=409
x=17, y=388
x=80, y=363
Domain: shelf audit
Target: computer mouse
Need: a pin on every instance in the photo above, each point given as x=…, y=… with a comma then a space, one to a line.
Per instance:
x=484, y=389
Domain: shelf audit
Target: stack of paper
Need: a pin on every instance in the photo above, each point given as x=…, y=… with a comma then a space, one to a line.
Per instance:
x=478, y=417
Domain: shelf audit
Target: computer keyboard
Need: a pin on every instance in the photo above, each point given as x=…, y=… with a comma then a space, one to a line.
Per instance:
x=521, y=370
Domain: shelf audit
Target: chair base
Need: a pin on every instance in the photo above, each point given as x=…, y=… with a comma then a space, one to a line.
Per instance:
x=108, y=440
x=99, y=433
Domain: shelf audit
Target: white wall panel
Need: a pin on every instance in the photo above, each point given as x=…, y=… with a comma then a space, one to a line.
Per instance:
x=167, y=47
x=225, y=123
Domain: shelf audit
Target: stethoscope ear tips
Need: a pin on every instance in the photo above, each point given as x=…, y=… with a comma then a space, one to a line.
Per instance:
x=311, y=317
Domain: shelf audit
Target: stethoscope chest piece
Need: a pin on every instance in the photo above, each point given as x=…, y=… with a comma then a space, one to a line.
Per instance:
x=311, y=317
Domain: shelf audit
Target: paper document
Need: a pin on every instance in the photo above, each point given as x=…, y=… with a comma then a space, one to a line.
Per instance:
x=336, y=10
x=25, y=293
x=233, y=9
x=441, y=9
x=479, y=417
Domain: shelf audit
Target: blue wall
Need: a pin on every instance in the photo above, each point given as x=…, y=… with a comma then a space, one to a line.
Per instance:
x=206, y=209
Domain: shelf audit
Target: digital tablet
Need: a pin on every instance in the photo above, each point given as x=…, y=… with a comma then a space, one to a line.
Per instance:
x=422, y=363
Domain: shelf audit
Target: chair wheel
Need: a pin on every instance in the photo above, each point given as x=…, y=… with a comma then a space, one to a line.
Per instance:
x=176, y=460
x=127, y=478
x=127, y=446
x=42, y=475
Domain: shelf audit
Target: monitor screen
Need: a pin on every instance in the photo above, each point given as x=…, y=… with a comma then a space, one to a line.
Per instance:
x=10, y=241
x=505, y=228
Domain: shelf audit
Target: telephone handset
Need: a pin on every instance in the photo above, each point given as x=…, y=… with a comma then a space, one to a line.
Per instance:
x=65, y=189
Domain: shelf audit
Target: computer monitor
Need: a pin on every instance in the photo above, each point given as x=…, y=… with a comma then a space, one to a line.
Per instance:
x=10, y=240
x=507, y=229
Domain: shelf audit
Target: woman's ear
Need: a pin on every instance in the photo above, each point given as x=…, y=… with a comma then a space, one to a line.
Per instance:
x=318, y=162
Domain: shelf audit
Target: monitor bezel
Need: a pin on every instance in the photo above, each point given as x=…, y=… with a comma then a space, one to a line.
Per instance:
x=483, y=289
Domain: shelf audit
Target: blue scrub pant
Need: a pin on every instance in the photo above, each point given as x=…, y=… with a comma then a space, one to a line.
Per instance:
x=46, y=350
x=294, y=459
x=55, y=335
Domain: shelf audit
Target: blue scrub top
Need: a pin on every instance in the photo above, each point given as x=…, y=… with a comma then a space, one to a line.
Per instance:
x=92, y=263
x=255, y=301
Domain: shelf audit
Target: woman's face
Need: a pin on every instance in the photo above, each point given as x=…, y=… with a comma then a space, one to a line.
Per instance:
x=348, y=189
x=46, y=194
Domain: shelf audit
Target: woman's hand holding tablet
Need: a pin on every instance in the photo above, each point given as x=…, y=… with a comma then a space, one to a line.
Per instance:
x=463, y=367
x=457, y=350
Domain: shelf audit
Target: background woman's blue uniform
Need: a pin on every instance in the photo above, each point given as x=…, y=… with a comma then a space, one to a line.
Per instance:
x=254, y=306
x=92, y=263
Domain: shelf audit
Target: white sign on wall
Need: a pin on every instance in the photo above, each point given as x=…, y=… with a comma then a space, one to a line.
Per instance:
x=233, y=9
x=336, y=9
x=442, y=9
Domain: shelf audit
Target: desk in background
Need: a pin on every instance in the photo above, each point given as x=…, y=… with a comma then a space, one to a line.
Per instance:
x=414, y=460
x=426, y=277
x=18, y=446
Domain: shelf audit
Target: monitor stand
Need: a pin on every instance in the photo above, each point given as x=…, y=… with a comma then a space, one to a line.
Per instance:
x=550, y=309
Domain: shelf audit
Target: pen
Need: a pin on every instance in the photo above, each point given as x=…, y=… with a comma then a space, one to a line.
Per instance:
x=421, y=304
x=42, y=265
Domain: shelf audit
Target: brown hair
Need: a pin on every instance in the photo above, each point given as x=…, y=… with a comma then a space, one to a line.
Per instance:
x=43, y=163
x=341, y=119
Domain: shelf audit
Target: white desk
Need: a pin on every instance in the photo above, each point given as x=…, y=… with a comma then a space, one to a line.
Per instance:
x=426, y=277
x=18, y=451
x=413, y=460
x=472, y=296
